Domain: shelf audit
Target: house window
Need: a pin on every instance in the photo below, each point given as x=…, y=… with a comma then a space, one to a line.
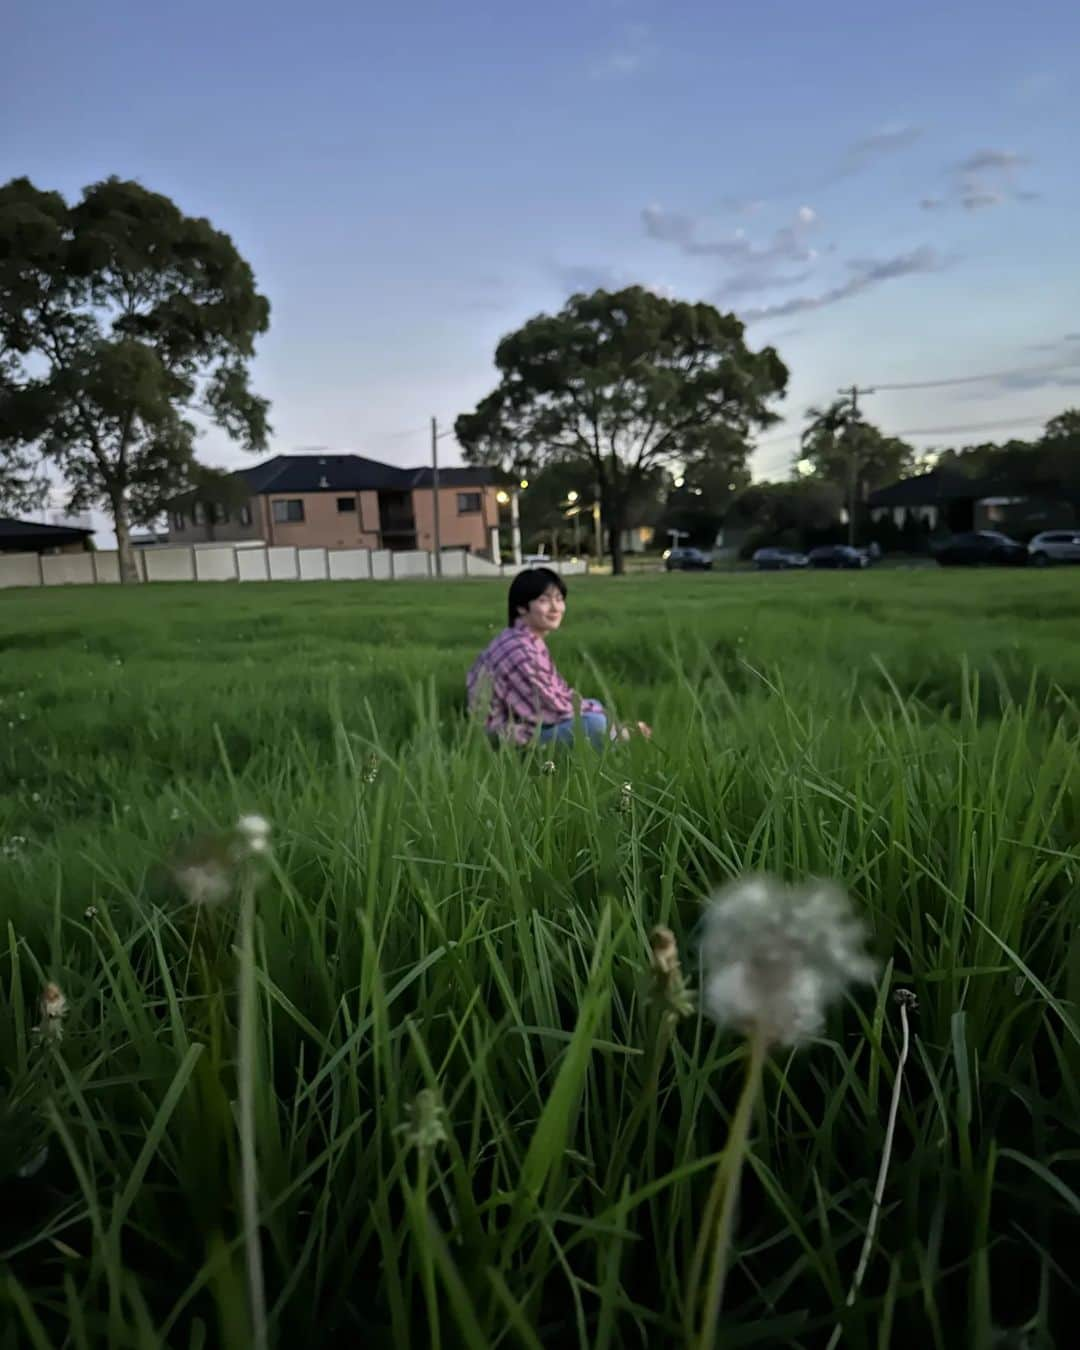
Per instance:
x=469, y=503
x=345, y=504
x=178, y=520
x=288, y=512
x=221, y=513
x=244, y=514
x=198, y=514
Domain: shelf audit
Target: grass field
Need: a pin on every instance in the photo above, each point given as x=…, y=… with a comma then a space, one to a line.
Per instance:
x=439, y=918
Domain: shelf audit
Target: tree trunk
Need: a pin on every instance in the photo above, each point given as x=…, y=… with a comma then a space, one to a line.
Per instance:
x=129, y=571
x=615, y=541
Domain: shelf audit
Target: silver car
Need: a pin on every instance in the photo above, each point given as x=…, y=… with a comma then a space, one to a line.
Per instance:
x=1055, y=546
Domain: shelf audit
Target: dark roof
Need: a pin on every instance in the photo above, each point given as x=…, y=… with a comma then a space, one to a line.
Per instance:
x=346, y=473
x=12, y=530
x=938, y=486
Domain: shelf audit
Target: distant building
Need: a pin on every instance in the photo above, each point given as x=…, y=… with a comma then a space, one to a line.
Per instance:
x=950, y=501
x=31, y=536
x=345, y=501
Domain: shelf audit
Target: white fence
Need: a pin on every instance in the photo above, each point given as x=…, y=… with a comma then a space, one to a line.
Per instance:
x=222, y=562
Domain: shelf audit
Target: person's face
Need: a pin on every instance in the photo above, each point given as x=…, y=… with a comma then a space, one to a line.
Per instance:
x=546, y=614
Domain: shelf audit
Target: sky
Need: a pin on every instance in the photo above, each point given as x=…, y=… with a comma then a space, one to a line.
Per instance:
x=887, y=194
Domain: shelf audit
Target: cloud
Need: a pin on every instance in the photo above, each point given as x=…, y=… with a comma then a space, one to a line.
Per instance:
x=885, y=142
x=997, y=160
x=755, y=266
x=631, y=52
x=983, y=180
x=865, y=274
x=788, y=244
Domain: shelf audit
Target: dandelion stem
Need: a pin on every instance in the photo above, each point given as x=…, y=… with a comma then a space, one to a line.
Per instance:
x=246, y=1094
x=905, y=1002
x=718, y=1221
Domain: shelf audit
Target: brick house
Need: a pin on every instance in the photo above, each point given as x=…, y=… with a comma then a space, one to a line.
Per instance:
x=345, y=501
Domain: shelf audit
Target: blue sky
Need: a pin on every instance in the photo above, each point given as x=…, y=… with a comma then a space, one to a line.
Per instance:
x=887, y=194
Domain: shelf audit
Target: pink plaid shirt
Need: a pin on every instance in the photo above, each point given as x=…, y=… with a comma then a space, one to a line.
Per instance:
x=514, y=681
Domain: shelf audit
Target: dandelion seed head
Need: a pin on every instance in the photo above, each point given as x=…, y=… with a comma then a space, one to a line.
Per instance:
x=774, y=957
x=254, y=828
x=90, y=913
x=548, y=766
x=204, y=883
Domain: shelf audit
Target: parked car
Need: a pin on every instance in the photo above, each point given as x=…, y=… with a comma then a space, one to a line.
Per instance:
x=778, y=559
x=1055, y=546
x=688, y=560
x=981, y=548
x=837, y=555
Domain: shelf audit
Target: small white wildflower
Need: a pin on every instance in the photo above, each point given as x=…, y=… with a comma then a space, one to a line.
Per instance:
x=54, y=1008
x=669, y=991
x=548, y=766
x=175, y=813
x=90, y=913
x=626, y=798
x=425, y=1128
x=204, y=883
x=372, y=770
x=53, y=1002
x=774, y=957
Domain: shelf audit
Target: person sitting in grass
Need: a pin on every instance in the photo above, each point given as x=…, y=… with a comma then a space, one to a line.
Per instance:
x=514, y=683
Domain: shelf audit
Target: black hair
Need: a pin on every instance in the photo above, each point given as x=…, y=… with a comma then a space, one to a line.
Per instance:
x=528, y=586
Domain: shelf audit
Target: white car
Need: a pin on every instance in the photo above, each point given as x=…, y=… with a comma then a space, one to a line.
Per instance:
x=1055, y=546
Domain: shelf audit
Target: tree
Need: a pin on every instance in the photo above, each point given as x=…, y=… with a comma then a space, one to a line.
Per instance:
x=625, y=382
x=216, y=492
x=842, y=448
x=119, y=318
x=1064, y=427
x=785, y=513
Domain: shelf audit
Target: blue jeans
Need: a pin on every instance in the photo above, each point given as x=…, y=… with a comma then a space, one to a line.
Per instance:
x=594, y=725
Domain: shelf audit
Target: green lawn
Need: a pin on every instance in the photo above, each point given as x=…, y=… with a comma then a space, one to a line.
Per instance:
x=439, y=916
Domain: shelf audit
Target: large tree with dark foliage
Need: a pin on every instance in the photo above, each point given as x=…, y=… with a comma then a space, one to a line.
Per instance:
x=624, y=382
x=120, y=318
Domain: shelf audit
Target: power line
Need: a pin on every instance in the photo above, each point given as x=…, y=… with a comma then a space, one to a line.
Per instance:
x=1000, y=425
x=981, y=379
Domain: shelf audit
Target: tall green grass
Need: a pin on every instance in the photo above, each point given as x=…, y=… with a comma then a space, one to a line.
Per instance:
x=469, y=925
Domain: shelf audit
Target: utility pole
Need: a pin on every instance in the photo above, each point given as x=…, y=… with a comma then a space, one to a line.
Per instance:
x=853, y=394
x=435, y=494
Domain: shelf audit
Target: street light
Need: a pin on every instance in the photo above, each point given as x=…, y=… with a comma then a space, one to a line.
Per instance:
x=571, y=496
x=504, y=497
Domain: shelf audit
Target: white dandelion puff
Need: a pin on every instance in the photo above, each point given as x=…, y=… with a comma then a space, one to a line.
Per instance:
x=204, y=883
x=254, y=832
x=548, y=767
x=774, y=957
